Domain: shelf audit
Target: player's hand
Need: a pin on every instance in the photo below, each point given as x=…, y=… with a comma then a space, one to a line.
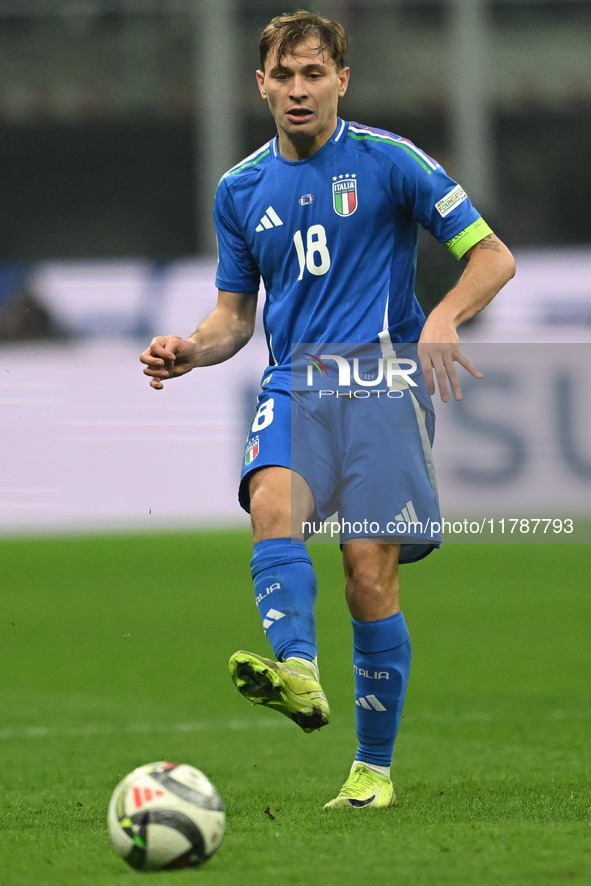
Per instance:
x=438, y=351
x=168, y=356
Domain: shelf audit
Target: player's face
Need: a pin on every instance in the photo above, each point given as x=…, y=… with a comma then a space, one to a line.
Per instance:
x=303, y=91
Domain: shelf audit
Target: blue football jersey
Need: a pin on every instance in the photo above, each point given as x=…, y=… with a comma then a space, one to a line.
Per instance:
x=334, y=237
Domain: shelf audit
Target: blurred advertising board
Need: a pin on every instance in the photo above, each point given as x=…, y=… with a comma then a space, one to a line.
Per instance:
x=87, y=444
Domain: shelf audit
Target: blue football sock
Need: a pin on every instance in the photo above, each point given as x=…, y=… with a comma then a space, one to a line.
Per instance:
x=285, y=590
x=381, y=663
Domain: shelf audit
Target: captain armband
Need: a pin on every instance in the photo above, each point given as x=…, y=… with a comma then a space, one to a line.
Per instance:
x=466, y=239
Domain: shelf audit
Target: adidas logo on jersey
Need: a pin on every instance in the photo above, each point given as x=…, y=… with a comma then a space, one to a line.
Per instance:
x=269, y=220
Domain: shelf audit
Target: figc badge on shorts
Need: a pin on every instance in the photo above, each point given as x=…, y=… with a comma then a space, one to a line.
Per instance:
x=252, y=450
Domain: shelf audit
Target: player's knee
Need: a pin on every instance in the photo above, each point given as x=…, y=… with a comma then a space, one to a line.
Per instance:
x=367, y=582
x=370, y=589
x=280, y=502
x=270, y=511
x=371, y=602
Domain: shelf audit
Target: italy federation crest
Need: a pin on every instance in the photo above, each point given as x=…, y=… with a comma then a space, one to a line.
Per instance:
x=344, y=194
x=252, y=450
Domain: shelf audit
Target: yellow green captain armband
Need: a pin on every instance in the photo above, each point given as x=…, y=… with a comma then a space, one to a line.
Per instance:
x=466, y=239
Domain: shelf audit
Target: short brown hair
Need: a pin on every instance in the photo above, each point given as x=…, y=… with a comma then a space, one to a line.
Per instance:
x=285, y=32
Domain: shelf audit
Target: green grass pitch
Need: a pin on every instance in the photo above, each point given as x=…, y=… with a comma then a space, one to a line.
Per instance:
x=113, y=653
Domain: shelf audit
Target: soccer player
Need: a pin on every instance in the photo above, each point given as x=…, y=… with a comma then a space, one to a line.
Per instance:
x=327, y=213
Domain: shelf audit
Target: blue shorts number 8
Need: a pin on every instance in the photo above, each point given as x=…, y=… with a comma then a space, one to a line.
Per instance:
x=368, y=460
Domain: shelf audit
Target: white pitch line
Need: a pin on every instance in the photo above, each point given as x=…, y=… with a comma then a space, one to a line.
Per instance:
x=96, y=729
x=93, y=729
x=491, y=716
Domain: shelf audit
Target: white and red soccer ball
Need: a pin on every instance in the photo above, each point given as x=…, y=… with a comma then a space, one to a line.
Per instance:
x=165, y=816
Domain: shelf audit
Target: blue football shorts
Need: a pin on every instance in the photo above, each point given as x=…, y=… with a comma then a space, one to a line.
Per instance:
x=367, y=460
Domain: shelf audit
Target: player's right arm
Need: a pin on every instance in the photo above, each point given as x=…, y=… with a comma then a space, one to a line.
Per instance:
x=221, y=335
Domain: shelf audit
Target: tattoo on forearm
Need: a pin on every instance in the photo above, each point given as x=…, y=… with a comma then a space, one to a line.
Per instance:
x=490, y=242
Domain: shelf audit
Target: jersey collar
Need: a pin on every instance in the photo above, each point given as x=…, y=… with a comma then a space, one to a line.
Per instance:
x=335, y=137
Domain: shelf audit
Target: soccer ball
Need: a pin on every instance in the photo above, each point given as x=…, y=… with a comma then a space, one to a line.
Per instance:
x=165, y=816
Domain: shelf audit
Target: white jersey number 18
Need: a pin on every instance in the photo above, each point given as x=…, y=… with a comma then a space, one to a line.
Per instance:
x=315, y=257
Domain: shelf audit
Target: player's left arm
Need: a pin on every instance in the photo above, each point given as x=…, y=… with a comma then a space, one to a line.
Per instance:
x=489, y=266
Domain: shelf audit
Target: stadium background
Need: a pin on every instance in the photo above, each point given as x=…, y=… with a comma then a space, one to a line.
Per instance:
x=116, y=121
x=117, y=118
